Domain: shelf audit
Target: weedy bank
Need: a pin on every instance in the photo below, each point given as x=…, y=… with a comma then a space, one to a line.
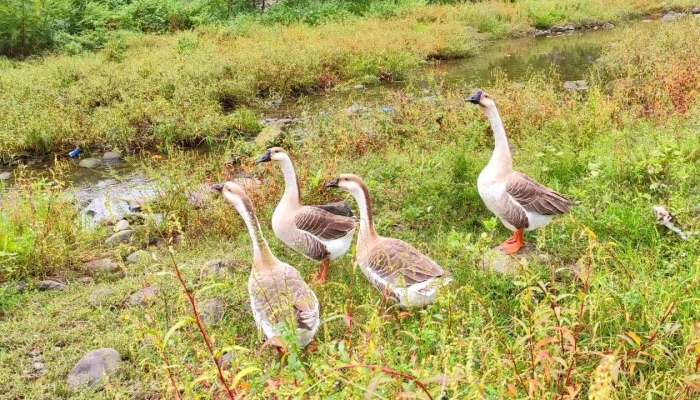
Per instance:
x=612, y=314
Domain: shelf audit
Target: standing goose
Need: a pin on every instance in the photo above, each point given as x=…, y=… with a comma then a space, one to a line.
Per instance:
x=516, y=199
x=278, y=293
x=393, y=266
x=313, y=231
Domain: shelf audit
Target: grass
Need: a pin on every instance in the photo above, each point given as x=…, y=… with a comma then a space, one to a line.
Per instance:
x=126, y=96
x=613, y=314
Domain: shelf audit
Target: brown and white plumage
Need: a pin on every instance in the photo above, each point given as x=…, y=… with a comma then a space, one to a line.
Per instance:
x=393, y=266
x=278, y=294
x=313, y=231
x=517, y=200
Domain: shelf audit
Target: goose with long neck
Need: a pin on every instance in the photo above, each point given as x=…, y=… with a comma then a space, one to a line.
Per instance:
x=317, y=232
x=278, y=293
x=517, y=200
x=397, y=269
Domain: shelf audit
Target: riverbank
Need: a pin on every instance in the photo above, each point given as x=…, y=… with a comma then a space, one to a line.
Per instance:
x=612, y=312
x=157, y=91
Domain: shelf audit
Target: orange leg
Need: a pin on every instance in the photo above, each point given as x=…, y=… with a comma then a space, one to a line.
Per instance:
x=323, y=272
x=514, y=244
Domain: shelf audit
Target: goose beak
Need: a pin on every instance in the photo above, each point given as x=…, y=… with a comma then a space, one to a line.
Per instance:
x=476, y=97
x=264, y=158
x=217, y=187
x=332, y=184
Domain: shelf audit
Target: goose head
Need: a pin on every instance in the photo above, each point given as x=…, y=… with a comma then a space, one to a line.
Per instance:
x=236, y=195
x=350, y=183
x=273, y=154
x=482, y=99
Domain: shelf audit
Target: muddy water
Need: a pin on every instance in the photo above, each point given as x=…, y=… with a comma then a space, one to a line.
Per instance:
x=108, y=189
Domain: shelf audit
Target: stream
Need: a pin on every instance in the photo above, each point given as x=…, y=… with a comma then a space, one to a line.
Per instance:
x=108, y=189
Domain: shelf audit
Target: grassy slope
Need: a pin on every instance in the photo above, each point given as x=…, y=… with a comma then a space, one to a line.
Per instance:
x=151, y=91
x=618, y=149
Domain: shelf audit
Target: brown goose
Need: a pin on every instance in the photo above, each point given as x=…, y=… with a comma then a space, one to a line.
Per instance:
x=278, y=293
x=516, y=199
x=393, y=266
x=313, y=231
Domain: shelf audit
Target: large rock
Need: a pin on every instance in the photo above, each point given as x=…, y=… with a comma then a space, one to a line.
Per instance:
x=89, y=372
x=495, y=259
x=221, y=266
x=212, y=311
x=90, y=163
x=672, y=16
x=111, y=156
x=5, y=176
x=104, y=266
x=137, y=257
x=576, y=85
x=118, y=238
x=121, y=226
x=143, y=297
x=49, y=285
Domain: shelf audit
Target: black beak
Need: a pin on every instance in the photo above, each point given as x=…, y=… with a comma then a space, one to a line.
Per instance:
x=332, y=184
x=476, y=97
x=264, y=158
x=217, y=187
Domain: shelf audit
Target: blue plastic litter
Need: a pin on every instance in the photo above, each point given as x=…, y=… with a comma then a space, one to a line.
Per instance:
x=75, y=152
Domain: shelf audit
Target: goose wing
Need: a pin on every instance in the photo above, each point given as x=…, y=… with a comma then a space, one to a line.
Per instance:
x=323, y=224
x=399, y=263
x=536, y=198
x=338, y=208
x=305, y=303
x=279, y=296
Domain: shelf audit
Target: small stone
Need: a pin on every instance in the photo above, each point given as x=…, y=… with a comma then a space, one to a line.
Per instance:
x=97, y=297
x=143, y=297
x=608, y=26
x=672, y=16
x=104, y=266
x=212, y=311
x=220, y=266
x=90, y=163
x=225, y=360
x=118, y=238
x=355, y=108
x=89, y=371
x=494, y=259
x=647, y=20
x=358, y=87
x=137, y=257
x=5, y=176
x=111, y=156
x=49, y=285
x=542, y=32
x=121, y=226
x=576, y=85
x=38, y=366
x=136, y=205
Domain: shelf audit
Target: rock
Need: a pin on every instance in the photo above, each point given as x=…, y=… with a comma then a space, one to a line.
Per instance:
x=697, y=15
x=576, y=85
x=48, y=285
x=388, y=110
x=111, y=156
x=137, y=257
x=338, y=208
x=104, y=266
x=268, y=136
x=121, y=226
x=5, y=176
x=212, y=311
x=38, y=366
x=144, y=296
x=542, y=32
x=221, y=266
x=358, y=87
x=355, y=108
x=85, y=280
x=110, y=220
x=695, y=10
x=118, y=238
x=495, y=259
x=647, y=20
x=136, y=205
x=608, y=26
x=561, y=29
x=672, y=16
x=90, y=163
x=89, y=371
x=97, y=297
x=225, y=360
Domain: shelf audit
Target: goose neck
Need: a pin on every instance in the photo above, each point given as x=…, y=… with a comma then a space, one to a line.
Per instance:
x=262, y=256
x=501, y=153
x=291, y=186
x=364, y=203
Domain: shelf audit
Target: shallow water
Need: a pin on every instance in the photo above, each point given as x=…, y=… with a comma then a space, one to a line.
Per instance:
x=107, y=189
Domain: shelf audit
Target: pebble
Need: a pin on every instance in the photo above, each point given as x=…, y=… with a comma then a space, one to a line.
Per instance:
x=111, y=156
x=118, y=238
x=121, y=226
x=5, y=176
x=358, y=87
x=89, y=371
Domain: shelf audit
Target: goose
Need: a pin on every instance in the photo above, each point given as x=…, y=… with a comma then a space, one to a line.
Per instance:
x=314, y=231
x=393, y=266
x=517, y=200
x=278, y=293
